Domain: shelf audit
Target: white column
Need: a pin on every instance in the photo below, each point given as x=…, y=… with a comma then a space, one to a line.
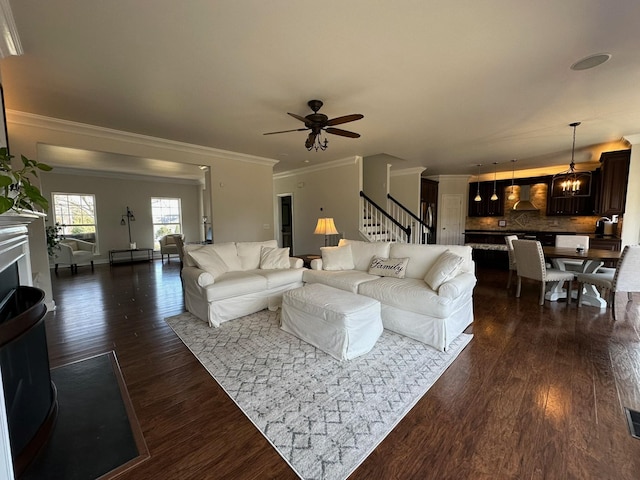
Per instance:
x=631, y=222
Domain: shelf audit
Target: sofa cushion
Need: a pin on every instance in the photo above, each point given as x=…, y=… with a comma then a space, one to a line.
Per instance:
x=281, y=277
x=235, y=284
x=337, y=258
x=363, y=252
x=421, y=257
x=227, y=252
x=410, y=294
x=208, y=260
x=249, y=253
x=274, y=258
x=445, y=268
x=347, y=280
x=388, y=267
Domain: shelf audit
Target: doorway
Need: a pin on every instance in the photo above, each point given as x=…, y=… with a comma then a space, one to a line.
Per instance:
x=286, y=221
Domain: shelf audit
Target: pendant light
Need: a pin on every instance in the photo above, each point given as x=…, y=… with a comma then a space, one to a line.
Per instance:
x=494, y=197
x=571, y=183
x=512, y=196
x=478, y=197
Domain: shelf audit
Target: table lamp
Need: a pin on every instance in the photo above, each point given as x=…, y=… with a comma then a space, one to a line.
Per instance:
x=325, y=226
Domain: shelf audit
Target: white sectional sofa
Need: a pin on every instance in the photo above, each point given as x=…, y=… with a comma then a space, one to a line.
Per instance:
x=432, y=303
x=224, y=281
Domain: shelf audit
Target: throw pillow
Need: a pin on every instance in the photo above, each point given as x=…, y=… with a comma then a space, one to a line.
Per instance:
x=337, y=258
x=388, y=267
x=274, y=258
x=445, y=268
x=209, y=261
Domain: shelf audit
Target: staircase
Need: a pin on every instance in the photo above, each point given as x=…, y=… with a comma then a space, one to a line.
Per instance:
x=400, y=225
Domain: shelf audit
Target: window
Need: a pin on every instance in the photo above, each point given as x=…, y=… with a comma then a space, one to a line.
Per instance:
x=167, y=218
x=76, y=215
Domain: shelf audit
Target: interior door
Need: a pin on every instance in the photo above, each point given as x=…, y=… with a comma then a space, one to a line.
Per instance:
x=451, y=220
x=286, y=222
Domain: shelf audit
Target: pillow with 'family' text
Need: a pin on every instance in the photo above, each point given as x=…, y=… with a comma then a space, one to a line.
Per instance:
x=388, y=267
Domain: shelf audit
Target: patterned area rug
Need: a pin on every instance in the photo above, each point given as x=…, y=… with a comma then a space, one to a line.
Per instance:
x=324, y=417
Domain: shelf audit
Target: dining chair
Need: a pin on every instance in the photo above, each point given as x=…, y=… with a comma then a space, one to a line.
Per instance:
x=530, y=264
x=508, y=239
x=624, y=278
x=571, y=241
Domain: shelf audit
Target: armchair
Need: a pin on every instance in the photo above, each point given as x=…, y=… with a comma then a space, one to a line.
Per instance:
x=168, y=246
x=73, y=252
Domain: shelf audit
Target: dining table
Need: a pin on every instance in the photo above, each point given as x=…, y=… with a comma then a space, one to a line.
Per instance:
x=592, y=261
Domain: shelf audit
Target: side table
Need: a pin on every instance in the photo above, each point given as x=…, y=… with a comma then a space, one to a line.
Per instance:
x=307, y=258
x=122, y=254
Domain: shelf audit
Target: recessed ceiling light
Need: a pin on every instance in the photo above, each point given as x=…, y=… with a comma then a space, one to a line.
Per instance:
x=591, y=61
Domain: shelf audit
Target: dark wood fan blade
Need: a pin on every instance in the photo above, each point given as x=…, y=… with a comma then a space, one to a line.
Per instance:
x=343, y=133
x=345, y=119
x=298, y=117
x=286, y=131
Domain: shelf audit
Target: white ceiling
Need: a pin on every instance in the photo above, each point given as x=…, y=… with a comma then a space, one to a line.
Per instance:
x=441, y=84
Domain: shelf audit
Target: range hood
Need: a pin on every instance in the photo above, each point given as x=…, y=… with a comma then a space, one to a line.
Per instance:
x=524, y=204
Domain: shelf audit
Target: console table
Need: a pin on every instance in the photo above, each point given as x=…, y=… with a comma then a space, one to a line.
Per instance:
x=116, y=256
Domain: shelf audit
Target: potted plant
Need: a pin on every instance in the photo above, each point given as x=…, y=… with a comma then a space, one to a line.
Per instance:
x=16, y=190
x=53, y=238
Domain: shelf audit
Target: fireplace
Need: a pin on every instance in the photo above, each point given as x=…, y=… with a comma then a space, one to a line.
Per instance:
x=30, y=405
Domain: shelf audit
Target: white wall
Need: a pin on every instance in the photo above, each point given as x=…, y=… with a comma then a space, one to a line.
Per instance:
x=405, y=186
x=334, y=188
x=242, y=207
x=631, y=224
x=133, y=193
x=375, y=177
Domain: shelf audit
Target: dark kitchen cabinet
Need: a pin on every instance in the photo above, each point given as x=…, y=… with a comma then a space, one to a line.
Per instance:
x=613, y=182
x=486, y=207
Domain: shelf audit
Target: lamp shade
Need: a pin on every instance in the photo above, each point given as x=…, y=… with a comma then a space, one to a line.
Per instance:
x=326, y=226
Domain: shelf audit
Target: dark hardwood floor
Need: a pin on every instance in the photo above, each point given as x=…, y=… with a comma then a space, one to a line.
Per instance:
x=539, y=393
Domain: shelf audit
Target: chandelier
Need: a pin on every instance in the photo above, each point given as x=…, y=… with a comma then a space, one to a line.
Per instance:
x=571, y=183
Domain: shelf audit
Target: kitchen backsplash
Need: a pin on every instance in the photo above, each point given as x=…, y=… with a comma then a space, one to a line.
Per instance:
x=532, y=220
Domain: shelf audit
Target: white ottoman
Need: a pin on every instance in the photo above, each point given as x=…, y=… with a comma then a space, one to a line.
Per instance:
x=342, y=324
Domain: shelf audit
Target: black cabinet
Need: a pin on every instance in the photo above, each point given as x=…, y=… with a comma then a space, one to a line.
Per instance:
x=613, y=182
x=486, y=207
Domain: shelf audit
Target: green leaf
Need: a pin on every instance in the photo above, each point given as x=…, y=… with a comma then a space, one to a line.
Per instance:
x=44, y=167
x=5, y=204
x=5, y=181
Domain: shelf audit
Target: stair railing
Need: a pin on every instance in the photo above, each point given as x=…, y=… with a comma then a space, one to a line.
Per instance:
x=404, y=216
x=378, y=226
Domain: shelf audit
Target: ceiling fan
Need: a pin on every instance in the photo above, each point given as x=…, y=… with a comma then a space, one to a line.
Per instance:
x=318, y=123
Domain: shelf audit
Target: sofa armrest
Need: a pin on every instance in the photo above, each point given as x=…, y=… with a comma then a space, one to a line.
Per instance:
x=458, y=285
x=316, y=264
x=196, y=276
x=295, y=262
x=87, y=246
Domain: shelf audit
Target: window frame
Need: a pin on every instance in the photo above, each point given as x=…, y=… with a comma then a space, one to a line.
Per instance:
x=157, y=226
x=56, y=207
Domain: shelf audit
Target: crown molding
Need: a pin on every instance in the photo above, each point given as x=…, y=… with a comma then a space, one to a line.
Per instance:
x=39, y=121
x=408, y=171
x=122, y=176
x=316, y=168
x=9, y=38
x=633, y=139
